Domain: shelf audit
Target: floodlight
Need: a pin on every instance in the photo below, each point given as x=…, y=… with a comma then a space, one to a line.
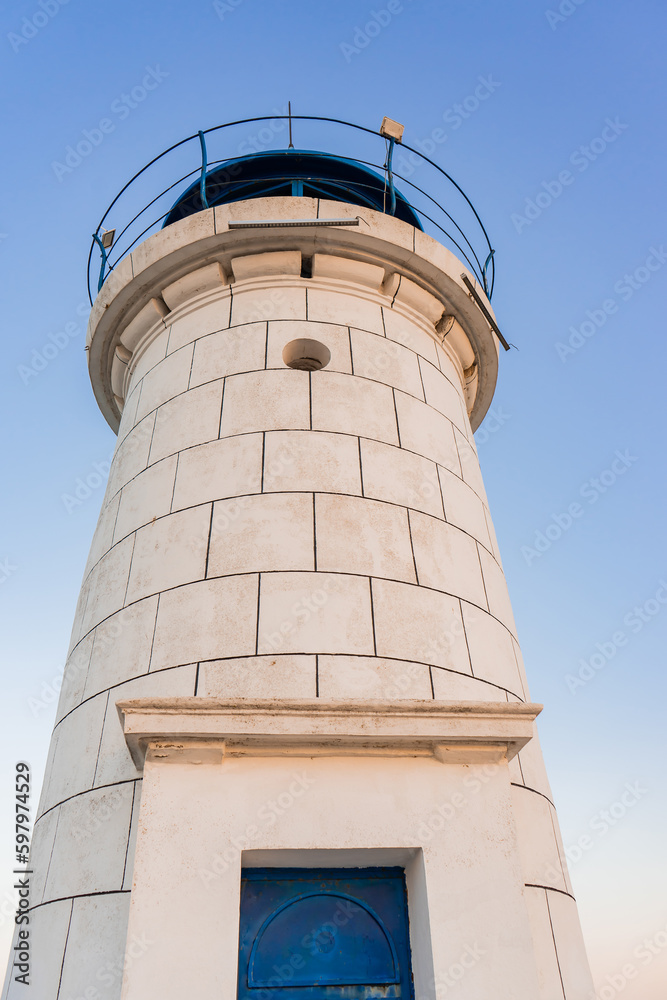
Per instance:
x=391, y=129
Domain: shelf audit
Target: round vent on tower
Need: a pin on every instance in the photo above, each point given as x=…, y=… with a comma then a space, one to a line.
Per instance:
x=306, y=355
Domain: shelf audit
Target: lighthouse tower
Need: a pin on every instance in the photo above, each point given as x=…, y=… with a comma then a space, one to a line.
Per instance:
x=295, y=753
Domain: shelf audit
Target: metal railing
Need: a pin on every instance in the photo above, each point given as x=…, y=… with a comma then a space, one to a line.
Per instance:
x=458, y=225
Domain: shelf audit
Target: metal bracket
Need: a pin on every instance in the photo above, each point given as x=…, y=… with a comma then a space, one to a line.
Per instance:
x=104, y=261
x=492, y=323
x=486, y=264
x=204, y=164
x=390, y=178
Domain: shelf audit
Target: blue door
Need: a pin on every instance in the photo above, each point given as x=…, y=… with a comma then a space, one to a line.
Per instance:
x=324, y=934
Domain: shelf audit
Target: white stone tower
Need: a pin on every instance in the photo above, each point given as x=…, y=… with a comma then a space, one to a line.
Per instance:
x=294, y=658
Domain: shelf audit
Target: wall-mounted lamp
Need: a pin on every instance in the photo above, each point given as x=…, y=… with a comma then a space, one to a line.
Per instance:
x=391, y=129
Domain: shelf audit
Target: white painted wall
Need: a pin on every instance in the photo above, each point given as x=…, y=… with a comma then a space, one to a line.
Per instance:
x=209, y=820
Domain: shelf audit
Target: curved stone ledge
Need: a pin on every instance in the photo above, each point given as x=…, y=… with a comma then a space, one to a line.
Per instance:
x=383, y=261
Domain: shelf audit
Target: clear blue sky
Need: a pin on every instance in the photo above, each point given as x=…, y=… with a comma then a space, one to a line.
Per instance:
x=553, y=85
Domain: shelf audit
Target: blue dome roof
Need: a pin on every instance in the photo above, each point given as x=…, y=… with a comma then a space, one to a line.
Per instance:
x=295, y=172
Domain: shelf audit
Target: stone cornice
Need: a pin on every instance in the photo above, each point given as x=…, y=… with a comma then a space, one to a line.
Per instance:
x=421, y=278
x=201, y=730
